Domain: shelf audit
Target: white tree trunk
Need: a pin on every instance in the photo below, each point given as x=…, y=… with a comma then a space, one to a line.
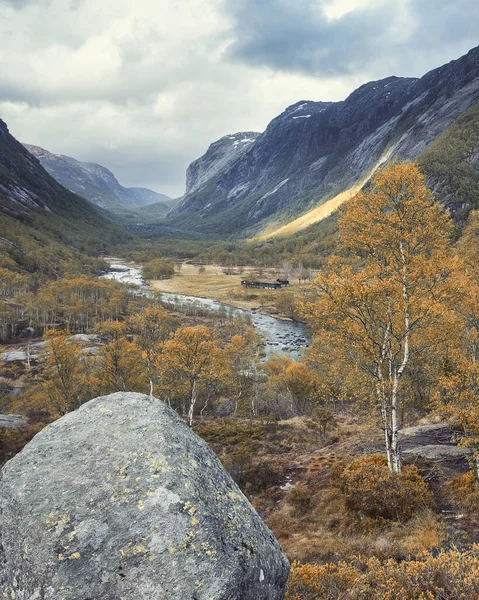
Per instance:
x=192, y=404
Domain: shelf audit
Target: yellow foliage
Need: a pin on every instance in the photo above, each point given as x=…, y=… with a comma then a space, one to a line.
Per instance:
x=450, y=575
x=372, y=491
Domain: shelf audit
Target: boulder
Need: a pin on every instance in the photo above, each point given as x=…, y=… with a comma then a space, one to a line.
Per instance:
x=121, y=500
x=438, y=452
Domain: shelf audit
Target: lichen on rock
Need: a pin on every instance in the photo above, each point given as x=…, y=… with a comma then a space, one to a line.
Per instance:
x=120, y=499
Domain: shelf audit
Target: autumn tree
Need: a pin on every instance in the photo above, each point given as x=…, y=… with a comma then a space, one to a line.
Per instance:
x=379, y=311
x=119, y=361
x=152, y=328
x=66, y=384
x=159, y=268
x=242, y=353
x=194, y=365
x=291, y=385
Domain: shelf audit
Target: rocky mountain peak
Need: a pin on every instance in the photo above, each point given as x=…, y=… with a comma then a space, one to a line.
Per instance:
x=314, y=151
x=219, y=156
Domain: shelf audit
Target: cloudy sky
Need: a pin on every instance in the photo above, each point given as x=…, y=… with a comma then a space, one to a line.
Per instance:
x=144, y=86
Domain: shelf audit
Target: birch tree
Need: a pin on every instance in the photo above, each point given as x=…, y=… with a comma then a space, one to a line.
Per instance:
x=377, y=307
x=152, y=328
x=194, y=366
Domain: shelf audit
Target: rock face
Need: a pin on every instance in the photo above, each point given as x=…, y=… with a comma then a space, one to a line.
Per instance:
x=434, y=442
x=12, y=421
x=119, y=499
x=95, y=183
x=218, y=157
x=316, y=150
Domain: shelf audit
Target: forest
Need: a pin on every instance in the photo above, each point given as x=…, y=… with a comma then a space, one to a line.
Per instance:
x=320, y=445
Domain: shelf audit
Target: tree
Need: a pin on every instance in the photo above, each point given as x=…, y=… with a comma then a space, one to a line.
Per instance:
x=293, y=383
x=194, y=365
x=159, y=268
x=66, y=385
x=379, y=311
x=120, y=365
x=152, y=328
x=242, y=353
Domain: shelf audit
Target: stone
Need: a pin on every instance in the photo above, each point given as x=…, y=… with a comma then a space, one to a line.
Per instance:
x=438, y=452
x=84, y=338
x=14, y=356
x=12, y=421
x=121, y=500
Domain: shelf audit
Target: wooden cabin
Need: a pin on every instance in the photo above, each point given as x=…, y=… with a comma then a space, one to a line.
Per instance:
x=265, y=285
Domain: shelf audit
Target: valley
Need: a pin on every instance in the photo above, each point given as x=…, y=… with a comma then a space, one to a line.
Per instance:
x=277, y=335
x=341, y=402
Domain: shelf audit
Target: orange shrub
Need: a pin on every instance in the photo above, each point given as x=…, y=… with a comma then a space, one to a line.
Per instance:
x=449, y=576
x=464, y=492
x=372, y=491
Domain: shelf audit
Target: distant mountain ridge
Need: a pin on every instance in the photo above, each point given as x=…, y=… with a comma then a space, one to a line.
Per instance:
x=315, y=151
x=39, y=216
x=95, y=182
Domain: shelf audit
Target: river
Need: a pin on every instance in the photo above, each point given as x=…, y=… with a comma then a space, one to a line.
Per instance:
x=278, y=335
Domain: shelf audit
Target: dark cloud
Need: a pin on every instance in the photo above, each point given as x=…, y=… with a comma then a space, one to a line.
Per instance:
x=298, y=36
x=144, y=87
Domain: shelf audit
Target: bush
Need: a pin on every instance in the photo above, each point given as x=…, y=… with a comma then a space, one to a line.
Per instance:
x=450, y=575
x=250, y=476
x=159, y=268
x=463, y=492
x=371, y=490
x=300, y=499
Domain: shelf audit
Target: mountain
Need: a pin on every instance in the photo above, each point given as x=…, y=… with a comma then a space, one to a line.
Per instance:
x=451, y=164
x=316, y=154
x=95, y=183
x=219, y=156
x=41, y=222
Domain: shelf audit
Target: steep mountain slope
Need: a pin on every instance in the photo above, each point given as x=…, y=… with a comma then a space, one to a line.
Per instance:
x=95, y=183
x=316, y=150
x=39, y=217
x=219, y=156
x=451, y=164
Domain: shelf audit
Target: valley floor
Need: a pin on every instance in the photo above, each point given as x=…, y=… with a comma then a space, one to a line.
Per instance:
x=224, y=284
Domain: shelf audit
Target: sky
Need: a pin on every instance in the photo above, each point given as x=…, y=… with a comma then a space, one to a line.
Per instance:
x=144, y=86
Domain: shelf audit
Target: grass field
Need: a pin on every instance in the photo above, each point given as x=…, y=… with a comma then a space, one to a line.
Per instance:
x=216, y=284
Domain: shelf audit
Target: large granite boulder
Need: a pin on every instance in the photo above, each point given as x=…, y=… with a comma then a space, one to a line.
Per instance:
x=121, y=500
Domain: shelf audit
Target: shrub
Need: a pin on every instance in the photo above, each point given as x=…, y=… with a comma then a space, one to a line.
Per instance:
x=250, y=476
x=159, y=268
x=300, y=499
x=371, y=490
x=450, y=575
x=464, y=492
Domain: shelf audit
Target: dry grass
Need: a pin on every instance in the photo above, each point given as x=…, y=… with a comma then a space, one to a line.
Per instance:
x=313, y=216
x=217, y=285
x=319, y=213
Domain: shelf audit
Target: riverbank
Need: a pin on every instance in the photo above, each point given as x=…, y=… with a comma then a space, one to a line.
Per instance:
x=224, y=285
x=278, y=335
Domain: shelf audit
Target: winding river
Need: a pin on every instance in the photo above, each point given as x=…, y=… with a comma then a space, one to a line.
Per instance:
x=277, y=335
